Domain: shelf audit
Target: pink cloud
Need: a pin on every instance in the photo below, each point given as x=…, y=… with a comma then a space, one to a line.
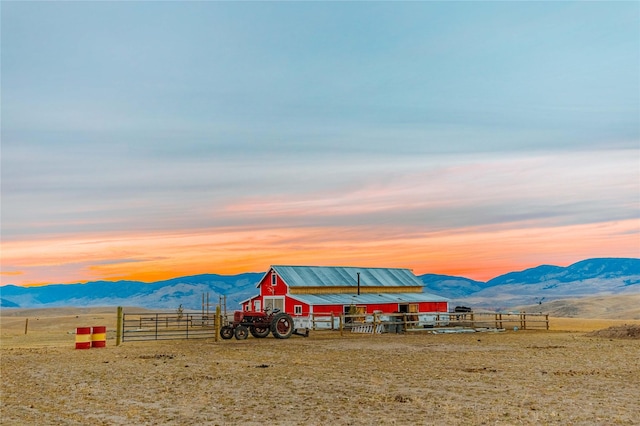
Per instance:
x=479, y=253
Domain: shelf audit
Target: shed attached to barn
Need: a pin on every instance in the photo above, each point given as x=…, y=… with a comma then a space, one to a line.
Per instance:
x=305, y=290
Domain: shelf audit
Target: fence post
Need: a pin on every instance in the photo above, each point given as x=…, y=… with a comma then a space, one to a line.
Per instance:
x=547, y=320
x=119, y=326
x=341, y=326
x=332, y=327
x=375, y=323
x=217, y=322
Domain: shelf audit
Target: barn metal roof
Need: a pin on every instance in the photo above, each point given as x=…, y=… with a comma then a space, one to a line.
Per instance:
x=346, y=276
x=367, y=298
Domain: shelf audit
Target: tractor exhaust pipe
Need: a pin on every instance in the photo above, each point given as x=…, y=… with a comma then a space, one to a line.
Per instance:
x=358, y=273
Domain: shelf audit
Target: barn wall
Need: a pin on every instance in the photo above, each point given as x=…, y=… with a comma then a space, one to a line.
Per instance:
x=266, y=289
x=290, y=304
x=281, y=289
x=434, y=306
x=386, y=308
x=327, y=309
x=248, y=305
x=338, y=309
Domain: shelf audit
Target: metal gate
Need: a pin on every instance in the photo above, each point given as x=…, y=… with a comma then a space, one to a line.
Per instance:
x=167, y=326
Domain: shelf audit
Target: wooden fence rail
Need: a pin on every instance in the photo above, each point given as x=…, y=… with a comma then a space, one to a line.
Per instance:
x=167, y=326
x=420, y=321
x=521, y=320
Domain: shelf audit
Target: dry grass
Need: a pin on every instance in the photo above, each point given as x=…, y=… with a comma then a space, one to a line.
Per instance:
x=586, y=324
x=623, y=307
x=510, y=378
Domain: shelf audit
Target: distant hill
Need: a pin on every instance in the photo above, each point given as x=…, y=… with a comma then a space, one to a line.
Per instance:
x=584, y=270
x=450, y=286
x=167, y=294
x=7, y=304
x=591, y=277
x=605, y=307
x=534, y=286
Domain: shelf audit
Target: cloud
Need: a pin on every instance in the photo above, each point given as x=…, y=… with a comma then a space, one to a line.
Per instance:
x=156, y=121
x=481, y=252
x=11, y=273
x=428, y=193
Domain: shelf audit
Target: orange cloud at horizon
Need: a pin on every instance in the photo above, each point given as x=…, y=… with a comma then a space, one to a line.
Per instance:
x=478, y=253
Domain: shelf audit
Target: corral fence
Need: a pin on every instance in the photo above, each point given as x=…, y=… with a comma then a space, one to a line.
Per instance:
x=166, y=326
x=509, y=320
x=377, y=323
x=172, y=326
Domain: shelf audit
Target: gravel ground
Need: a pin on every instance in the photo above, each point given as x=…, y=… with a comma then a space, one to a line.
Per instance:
x=508, y=378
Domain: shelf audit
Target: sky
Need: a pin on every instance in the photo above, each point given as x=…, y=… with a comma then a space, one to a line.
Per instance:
x=151, y=140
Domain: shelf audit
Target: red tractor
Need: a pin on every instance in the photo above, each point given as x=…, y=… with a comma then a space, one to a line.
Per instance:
x=259, y=324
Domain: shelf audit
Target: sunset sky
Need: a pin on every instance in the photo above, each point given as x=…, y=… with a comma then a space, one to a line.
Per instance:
x=151, y=140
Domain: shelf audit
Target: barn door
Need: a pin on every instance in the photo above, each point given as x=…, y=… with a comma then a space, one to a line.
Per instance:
x=351, y=310
x=274, y=303
x=409, y=308
x=413, y=309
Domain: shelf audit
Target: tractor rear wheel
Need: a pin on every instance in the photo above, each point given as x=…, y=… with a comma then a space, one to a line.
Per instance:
x=241, y=332
x=226, y=332
x=282, y=326
x=259, y=332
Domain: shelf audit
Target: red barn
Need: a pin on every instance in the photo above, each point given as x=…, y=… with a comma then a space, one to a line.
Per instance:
x=304, y=290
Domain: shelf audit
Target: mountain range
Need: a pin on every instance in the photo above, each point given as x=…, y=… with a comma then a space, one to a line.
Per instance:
x=545, y=283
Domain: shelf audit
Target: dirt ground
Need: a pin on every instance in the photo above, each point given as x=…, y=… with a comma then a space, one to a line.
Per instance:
x=507, y=378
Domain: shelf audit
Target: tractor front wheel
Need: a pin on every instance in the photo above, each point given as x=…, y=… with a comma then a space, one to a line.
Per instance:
x=282, y=326
x=259, y=332
x=226, y=332
x=241, y=332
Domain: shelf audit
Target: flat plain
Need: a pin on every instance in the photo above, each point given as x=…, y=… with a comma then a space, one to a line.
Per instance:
x=562, y=376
